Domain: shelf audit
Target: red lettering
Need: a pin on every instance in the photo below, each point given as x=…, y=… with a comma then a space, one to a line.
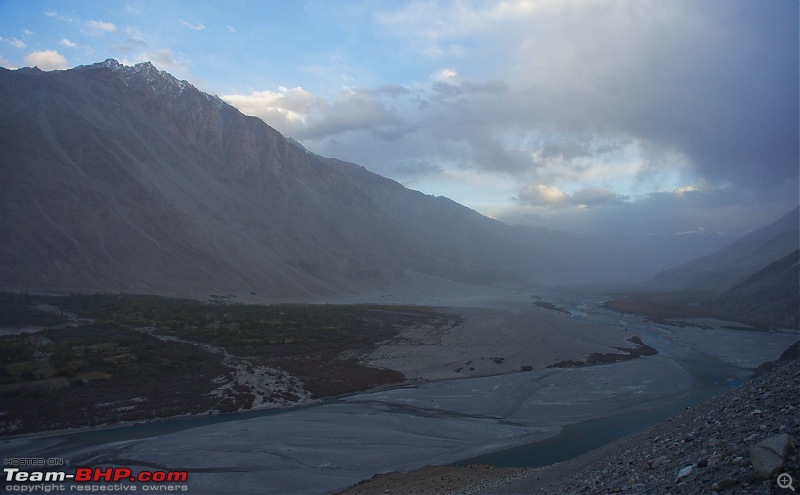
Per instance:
x=106, y=474
x=121, y=474
x=83, y=474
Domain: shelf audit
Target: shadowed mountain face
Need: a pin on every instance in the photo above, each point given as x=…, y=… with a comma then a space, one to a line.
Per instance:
x=123, y=178
x=770, y=295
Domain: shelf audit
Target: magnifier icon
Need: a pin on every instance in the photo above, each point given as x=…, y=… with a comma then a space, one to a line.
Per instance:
x=785, y=481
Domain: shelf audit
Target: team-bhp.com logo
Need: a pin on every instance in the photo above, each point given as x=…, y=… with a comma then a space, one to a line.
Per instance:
x=93, y=479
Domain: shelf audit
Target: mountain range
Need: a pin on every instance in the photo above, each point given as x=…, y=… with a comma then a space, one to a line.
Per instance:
x=124, y=178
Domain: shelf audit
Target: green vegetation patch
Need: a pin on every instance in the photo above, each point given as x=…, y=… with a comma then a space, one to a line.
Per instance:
x=102, y=359
x=625, y=353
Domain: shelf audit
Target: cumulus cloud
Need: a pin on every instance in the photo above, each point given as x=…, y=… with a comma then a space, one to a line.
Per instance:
x=540, y=194
x=285, y=109
x=46, y=60
x=299, y=113
x=67, y=43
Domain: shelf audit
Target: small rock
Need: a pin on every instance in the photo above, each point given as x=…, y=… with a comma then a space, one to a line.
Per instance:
x=715, y=459
x=738, y=461
x=755, y=412
x=763, y=428
x=685, y=472
x=658, y=461
x=724, y=484
x=769, y=455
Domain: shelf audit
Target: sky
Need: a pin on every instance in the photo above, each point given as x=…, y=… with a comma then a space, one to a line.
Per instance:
x=624, y=117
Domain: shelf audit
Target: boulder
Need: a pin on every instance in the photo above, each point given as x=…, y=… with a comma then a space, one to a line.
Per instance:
x=769, y=455
x=724, y=484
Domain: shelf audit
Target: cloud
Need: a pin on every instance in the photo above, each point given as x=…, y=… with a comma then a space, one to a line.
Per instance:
x=284, y=109
x=597, y=196
x=551, y=196
x=95, y=26
x=47, y=60
x=708, y=88
x=301, y=114
x=541, y=194
x=16, y=43
x=67, y=43
x=193, y=27
x=164, y=59
x=230, y=29
x=102, y=26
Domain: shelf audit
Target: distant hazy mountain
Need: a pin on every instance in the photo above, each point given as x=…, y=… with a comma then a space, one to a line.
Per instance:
x=736, y=262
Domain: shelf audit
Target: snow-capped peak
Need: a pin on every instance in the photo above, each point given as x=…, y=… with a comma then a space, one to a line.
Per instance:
x=160, y=81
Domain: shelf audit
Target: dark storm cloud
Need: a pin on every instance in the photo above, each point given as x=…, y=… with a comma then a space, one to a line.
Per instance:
x=731, y=99
x=715, y=80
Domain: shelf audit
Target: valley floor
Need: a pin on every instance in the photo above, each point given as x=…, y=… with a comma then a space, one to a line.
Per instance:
x=469, y=393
